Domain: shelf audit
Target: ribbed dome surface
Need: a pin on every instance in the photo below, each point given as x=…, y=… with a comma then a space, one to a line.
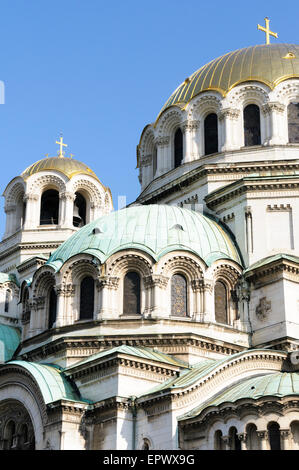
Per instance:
x=155, y=229
x=269, y=64
x=68, y=166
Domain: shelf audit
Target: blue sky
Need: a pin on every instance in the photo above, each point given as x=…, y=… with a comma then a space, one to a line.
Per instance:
x=99, y=71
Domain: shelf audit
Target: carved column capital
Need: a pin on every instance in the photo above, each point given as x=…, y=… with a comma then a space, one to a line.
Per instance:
x=197, y=285
x=108, y=281
x=155, y=280
x=231, y=113
x=162, y=141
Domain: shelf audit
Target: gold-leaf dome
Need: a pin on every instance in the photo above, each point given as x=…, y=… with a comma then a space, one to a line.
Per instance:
x=68, y=166
x=267, y=63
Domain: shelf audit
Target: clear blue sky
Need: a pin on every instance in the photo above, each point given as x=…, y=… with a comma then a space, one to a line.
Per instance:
x=99, y=71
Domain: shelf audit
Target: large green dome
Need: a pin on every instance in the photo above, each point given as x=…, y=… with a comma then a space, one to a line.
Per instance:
x=155, y=229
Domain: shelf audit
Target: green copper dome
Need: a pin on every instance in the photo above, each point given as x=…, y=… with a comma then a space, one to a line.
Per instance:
x=155, y=229
x=10, y=338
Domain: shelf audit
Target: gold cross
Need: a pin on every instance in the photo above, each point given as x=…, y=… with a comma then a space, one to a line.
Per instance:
x=61, y=145
x=267, y=30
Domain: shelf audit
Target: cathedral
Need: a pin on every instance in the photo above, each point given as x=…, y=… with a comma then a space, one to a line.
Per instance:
x=173, y=323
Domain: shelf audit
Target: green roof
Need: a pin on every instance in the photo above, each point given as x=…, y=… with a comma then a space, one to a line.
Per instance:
x=53, y=384
x=278, y=384
x=270, y=259
x=143, y=353
x=4, y=277
x=154, y=229
x=10, y=338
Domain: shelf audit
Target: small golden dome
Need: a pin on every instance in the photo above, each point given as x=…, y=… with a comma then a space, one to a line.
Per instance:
x=267, y=63
x=68, y=166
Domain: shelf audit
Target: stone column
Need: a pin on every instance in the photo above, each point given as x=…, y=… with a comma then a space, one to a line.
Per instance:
x=243, y=438
x=285, y=439
x=273, y=111
x=189, y=129
x=37, y=315
x=60, y=320
x=198, y=291
x=225, y=441
x=66, y=209
x=228, y=117
x=163, y=155
x=107, y=285
x=147, y=172
x=156, y=286
x=207, y=302
x=64, y=311
x=10, y=211
x=32, y=212
x=263, y=437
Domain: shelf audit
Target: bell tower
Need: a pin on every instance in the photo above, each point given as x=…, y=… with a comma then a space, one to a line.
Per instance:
x=49, y=201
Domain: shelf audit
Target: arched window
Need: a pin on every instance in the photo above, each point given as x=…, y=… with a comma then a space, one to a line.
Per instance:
x=293, y=122
x=211, y=134
x=154, y=161
x=9, y=435
x=252, y=125
x=218, y=442
x=274, y=436
x=7, y=300
x=52, y=307
x=220, y=293
x=234, y=441
x=87, y=298
x=295, y=434
x=79, y=211
x=178, y=295
x=131, y=304
x=49, y=207
x=178, y=148
x=253, y=442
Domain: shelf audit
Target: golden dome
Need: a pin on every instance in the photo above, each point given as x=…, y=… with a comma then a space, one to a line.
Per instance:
x=68, y=166
x=267, y=63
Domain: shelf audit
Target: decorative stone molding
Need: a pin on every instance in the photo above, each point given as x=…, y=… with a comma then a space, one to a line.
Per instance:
x=65, y=290
x=197, y=285
x=120, y=264
x=147, y=160
x=189, y=126
x=37, y=303
x=162, y=141
x=45, y=180
x=67, y=195
x=108, y=281
x=231, y=113
x=155, y=280
x=269, y=107
x=30, y=197
x=279, y=208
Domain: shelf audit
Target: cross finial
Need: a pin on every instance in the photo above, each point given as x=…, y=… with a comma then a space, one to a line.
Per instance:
x=61, y=145
x=267, y=30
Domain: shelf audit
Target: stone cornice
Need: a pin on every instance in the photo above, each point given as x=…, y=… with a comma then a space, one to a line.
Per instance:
x=275, y=269
x=209, y=169
x=225, y=410
x=251, y=184
x=190, y=392
x=84, y=347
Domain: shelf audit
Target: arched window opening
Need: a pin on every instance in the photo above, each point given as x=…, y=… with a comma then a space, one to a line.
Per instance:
x=211, y=134
x=253, y=442
x=218, y=442
x=178, y=295
x=293, y=122
x=131, y=300
x=178, y=148
x=295, y=434
x=146, y=444
x=234, y=441
x=220, y=293
x=155, y=161
x=52, y=307
x=9, y=435
x=49, y=207
x=7, y=300
x=79, y=211
x=87, y=298
x=252, y=125
x=274, y=436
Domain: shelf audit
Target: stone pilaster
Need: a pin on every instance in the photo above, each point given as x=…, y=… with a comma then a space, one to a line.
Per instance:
x=264, y=440
x=107, y=287
x=189, y=129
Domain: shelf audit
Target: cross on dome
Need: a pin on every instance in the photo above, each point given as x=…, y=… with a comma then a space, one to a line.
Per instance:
x=61, y=145
x=267, y=30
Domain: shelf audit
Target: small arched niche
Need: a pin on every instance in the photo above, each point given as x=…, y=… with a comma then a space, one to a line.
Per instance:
x=87, y=298
x=131, y=296
x=49, y=209
x=221, y=303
